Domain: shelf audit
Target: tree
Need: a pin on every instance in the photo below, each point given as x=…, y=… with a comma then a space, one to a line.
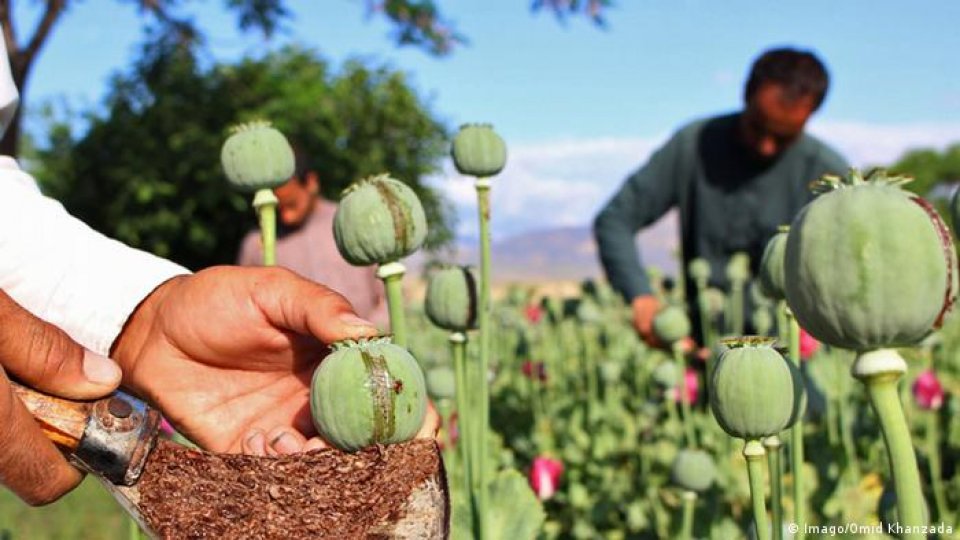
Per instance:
x=148, y=173
x=416, y=22
x=929, y=167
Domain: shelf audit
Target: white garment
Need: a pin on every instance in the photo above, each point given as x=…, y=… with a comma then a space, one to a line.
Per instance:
x=63, y=271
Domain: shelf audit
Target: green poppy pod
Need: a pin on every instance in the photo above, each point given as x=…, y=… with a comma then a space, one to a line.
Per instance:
x=771, y=266
x=478, y=151
x=451, y=300
x=368, y=392
x=671, y=324
x=752, y=389
x=665, y=374
x=738, y=267
x=699, y=271
x=441, y=383
x=588, y=311
x=869, y=265
x=379, y=220
x=256, y=156
x=693, y=470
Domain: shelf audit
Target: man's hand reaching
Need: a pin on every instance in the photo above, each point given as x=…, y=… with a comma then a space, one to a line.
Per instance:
x=228, y=354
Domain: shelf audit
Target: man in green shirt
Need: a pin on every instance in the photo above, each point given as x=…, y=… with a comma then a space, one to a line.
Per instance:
x=734, y=179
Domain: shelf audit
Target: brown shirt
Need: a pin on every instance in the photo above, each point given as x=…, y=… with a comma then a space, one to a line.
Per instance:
x=311, y=251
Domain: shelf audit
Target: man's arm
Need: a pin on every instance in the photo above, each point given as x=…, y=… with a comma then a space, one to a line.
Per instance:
x=645, y=197
x=66, y=273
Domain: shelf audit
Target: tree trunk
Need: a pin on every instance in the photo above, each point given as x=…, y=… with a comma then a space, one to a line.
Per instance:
x=10, y=144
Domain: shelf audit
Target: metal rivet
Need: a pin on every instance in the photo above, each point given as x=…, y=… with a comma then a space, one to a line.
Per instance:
x=119, y=407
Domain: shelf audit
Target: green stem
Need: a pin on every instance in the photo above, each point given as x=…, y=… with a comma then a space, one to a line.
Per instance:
x=671, y=405
x=689, y=502
x=783, y=326
x=735, y=308
x=392, y=276
x=833, y=430
x=796, y=438
x=880, y=371
x=688, y=427
x=458, y=346
x=589, y=358
x=265, y=203
x=483, y=206
x=936, y=475
x=846, y=437
x=774, y=462
x=754, y=453
x=706, y=329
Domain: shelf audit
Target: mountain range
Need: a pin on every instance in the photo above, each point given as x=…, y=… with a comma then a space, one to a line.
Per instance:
x=565, y=253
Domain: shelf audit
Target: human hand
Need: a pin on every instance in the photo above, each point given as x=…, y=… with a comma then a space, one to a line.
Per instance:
x=228, y=355
x=645, y=308
x=43, y=357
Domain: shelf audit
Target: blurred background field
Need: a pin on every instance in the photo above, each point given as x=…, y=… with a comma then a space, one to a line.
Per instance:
x=123, y=124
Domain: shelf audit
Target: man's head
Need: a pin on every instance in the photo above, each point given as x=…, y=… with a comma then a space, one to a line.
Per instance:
x=784, y=89
x=297, y=197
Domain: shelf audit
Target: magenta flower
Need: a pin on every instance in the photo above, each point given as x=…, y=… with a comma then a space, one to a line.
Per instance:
x=928, y=391
x=534, y=313
x=534, y=370
x=545, y=476
x=693, y=387
x=808, y=345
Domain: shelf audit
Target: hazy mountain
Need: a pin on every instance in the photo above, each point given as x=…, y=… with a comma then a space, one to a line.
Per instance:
x=567, y=253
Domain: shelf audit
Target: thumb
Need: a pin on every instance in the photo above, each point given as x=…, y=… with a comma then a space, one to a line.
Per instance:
x=44, y=357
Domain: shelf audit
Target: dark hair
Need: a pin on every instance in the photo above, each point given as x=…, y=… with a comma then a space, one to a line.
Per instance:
x=800, y=73
x=301, y=163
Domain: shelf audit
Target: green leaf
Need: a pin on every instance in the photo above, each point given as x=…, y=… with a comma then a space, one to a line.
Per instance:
x=514, y=510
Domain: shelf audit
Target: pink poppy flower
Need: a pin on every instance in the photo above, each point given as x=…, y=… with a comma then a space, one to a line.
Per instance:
x=808, y=345
x=533, y=313
x=533, y=370
x=928, y=391
x=545, y=476
x=693, y=387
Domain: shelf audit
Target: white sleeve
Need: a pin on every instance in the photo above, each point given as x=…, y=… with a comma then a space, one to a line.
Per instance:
x=63, y=271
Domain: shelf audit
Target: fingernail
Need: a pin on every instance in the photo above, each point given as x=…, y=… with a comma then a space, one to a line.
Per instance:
x=285, y=444
x=315, y=443
x=100, y=369
x=255, y=443
x=352, y=319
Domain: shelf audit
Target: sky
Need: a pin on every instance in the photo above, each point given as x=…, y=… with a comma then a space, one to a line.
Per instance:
x=581, y=107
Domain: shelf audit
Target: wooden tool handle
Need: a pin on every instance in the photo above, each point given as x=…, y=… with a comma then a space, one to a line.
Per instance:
x=62, y=420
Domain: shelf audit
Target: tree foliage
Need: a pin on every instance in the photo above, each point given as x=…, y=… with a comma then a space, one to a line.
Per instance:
x=418, y=23
x=929, y=167
x=147, y=171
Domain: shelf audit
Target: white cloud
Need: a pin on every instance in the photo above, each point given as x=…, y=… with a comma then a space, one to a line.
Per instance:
x=865, y=144
x=564, y=183
x=550, y=184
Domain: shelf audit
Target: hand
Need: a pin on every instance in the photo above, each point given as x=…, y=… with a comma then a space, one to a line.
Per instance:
x=645, y=308
x=228, y=355
x=43, y=357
